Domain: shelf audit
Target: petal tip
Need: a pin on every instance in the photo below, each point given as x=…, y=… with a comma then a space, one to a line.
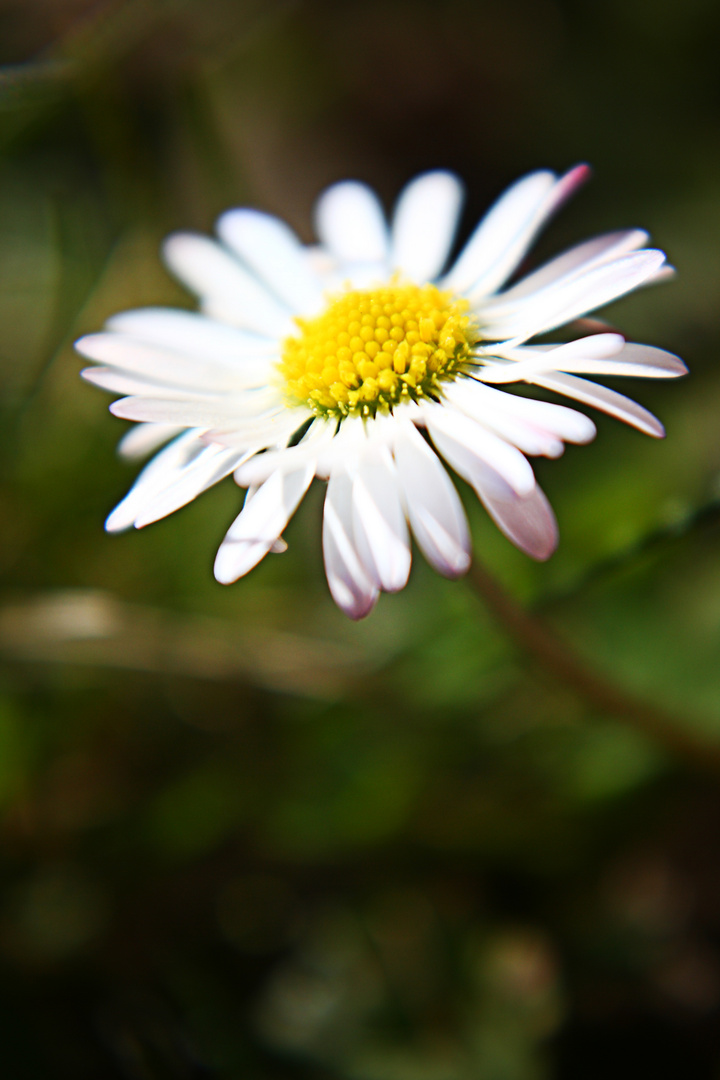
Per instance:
x=577, y=175
x=458, y=568
x=222, y=572
x=115, y=522
x=359, y=611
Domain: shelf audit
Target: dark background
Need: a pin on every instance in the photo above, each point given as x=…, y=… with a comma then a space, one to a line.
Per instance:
x=242, y=836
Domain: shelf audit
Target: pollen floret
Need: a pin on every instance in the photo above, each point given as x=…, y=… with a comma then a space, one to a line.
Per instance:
x=370, y=350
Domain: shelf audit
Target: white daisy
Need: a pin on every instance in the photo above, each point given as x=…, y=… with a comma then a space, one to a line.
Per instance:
x=362, y=362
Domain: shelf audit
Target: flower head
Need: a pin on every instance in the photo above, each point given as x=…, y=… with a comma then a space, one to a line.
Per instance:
x=361, y=361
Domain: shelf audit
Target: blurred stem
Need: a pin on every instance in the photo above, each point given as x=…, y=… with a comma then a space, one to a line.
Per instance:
x=558, y=657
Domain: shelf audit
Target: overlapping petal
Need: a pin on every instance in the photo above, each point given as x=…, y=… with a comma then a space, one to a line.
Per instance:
x=605, y=400
x=506, y=232
x=578, y=260
x=471, y=449
x=172, y=479
x=432, y=504
x=534, y=427
x=228, y=292
x=597, y=354
x=350, y=583
x=379, y=526
x=272, y=250
x=568, y=298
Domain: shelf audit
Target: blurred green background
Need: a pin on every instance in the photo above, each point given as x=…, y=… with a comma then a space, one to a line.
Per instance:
x=242, y=836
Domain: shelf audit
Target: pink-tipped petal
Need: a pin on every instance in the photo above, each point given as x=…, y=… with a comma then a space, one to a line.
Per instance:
x=471, y=448
x=436, y=515
x=508, y=229
x=529, y=522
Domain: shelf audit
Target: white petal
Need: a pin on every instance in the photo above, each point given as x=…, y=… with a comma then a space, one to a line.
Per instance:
x=350, y=584
x=142, y=439
x=567, y=424
x=348, y=446
x=227, y=291
x=350, y=222
x=260, y=523
x=651, y=362
x=535, y=427
x=379, y=526
x=508, y=229
x=191, y=333
x=528, y=359
x=185, y=384
x=470, y=448
x=607, y=401
x=432, y=504
x=213, y=465
x=592, y=347
x=569, y=298
x=580, y=356
x=665, y=273
x=424, y=225
x=207, y=412
x=157, y=475
x=122, y=382
x=357, y=276
x=595, y=252
x=320, y=261
x=625, y=365
x=528, y=522
x=319, y=435
x=262, y=432
x=203, y=374
x=273, y=251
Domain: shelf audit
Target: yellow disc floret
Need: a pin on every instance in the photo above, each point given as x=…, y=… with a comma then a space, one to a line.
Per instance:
x=372, y=349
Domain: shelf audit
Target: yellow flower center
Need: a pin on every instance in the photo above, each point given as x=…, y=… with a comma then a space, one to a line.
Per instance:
x=371, y=349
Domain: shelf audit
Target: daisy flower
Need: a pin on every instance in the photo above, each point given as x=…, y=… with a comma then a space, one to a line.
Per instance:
x=362, y=361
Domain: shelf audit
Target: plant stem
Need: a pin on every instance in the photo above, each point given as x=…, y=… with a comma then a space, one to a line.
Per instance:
x=558, y=657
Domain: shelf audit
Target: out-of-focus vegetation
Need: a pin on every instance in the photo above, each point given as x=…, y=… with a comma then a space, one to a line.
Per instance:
x=241, y=836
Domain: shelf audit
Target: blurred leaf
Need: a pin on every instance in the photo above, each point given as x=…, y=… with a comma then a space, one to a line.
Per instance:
x=94, y=628
x=198, y=811
x=24, y=85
